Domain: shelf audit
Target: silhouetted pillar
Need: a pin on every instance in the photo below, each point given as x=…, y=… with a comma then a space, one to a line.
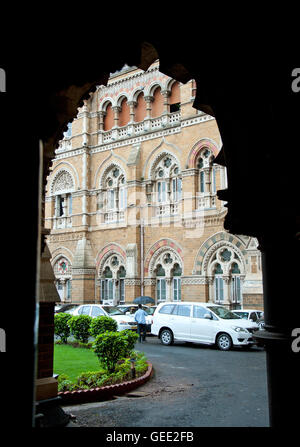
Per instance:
x=282, y=316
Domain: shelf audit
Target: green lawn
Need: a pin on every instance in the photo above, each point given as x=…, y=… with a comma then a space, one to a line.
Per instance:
x=74, y=361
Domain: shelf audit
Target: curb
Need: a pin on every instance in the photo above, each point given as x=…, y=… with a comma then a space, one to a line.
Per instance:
x=102, y=393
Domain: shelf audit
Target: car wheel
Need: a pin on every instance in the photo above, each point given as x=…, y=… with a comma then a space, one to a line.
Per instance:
x=166, y=337
x=224, y=342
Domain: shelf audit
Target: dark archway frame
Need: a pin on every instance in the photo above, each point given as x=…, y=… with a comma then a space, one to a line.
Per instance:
x=257, y=113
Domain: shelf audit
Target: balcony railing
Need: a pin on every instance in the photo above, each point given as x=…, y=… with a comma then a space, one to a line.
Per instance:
x=114, y=216
x=62, y=222
x=167, y=209
x=207, y=200
x=135, y=129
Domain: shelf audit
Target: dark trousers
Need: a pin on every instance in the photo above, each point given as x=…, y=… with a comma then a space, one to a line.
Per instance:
x=141, y=329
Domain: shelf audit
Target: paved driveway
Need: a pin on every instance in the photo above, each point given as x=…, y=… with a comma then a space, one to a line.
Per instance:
x=193, y=386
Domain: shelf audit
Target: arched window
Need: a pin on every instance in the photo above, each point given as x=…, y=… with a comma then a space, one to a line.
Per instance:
x=167, y=271
x=160, y=284
x=158, y=103
x=124, y=114
x=226, y=270
x=218, y=285
x=176, y=282
x=112, y=198
x=174, y=98
x=112, y=281
x=62, y=189
x=109, y=118
x=63, y=274
x=207, y=179
x=141, y=108
x=167, y=185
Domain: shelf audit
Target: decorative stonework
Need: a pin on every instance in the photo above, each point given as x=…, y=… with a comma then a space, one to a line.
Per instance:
x=62, y=266
x=203, y=143
x=106, y=252
x=211, y=245
x=149, y=281
x=62, y=182
x=132, y=282
x=194, y=280
x=158, y=253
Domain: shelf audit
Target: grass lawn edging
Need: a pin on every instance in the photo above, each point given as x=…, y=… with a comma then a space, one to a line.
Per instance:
x=96, y=394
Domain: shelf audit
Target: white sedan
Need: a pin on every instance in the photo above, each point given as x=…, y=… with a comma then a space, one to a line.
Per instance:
x=98, y=310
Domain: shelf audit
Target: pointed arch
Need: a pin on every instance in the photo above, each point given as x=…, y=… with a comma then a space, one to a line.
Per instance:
x=161, y=246
x=169, y=149
x=204, y=257
x=193, y=154
x=112, y=160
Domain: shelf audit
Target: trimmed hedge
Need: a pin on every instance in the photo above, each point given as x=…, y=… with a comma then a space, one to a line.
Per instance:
x=99, y=325
x=80, y=327
x=61, y=327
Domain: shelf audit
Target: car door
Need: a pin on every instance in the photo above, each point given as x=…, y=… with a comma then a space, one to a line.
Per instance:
x=202, y=329
x=181, y=321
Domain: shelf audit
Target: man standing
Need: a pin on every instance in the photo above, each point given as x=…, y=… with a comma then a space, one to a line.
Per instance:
x=139, y=317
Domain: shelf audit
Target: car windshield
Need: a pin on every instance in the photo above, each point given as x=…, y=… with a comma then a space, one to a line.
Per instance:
x=243, y=315
x=111, y=310
x=223, y=313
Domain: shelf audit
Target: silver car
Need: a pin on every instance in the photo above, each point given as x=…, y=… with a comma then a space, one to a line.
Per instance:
x=98, y=310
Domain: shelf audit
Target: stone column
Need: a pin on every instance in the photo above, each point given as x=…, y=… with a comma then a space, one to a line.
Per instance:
x=116, y=110
x=85, y=125
x=147, y=120
x=210, y=282
x=149, y=100
x=85, y=160
x=83, y=273
x=226, y=280
x=101, y=115
x=166, y=95
x=165, y=117
x=132, y=105
x=168, y=288
x=46, y=384
x=207, y=180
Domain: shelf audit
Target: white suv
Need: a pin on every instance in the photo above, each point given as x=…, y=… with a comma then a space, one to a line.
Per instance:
x=98, y=310
x=206, y=323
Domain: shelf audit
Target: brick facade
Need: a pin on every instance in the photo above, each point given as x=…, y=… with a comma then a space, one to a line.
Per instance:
x=156, y=169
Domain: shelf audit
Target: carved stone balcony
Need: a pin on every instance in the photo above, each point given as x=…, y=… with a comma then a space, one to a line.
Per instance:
x=136, y=129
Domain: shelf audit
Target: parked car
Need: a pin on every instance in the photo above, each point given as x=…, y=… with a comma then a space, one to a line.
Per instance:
x=252, y=315
x=206, y=323
x=130, y=309
x=66, y=308
x=97, y=310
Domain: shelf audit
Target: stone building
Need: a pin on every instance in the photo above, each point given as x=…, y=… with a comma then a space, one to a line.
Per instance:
x=131, y=201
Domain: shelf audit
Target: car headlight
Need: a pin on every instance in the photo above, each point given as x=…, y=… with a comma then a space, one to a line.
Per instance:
x=239, y=329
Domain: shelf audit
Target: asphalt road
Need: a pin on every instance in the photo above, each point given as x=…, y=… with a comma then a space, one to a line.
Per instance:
x=193, y=386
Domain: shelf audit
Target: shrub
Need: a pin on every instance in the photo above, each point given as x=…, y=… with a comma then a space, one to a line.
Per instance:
x=65, y=384
x=80, y=327
x=61, y=327
x=102, y=324
x=109, y=348
x=131, y=338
